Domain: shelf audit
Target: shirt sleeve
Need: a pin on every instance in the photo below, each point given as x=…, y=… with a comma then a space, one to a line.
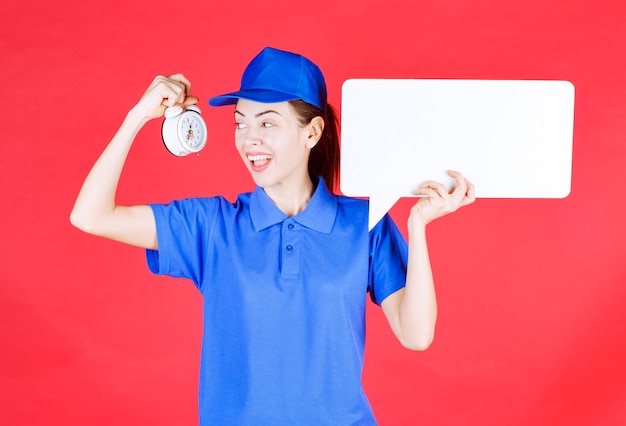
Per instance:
x=388, y=260
x=183, y=229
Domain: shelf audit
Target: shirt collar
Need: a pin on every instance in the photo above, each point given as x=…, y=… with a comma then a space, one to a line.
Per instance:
x=318, y=215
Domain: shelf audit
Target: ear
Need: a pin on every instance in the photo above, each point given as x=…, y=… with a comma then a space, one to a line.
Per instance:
x=314, y=131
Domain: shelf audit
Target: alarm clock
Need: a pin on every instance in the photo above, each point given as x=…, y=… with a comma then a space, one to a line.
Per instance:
x=183, y=131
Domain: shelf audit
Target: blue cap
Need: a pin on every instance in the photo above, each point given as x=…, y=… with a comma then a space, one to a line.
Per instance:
x=278, y=76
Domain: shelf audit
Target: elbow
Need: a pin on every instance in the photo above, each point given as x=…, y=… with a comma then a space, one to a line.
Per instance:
x=416, y=336
x=81, y=222
x=417, y=343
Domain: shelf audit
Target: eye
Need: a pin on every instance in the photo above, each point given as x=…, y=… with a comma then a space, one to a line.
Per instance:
x=239, y=126
x=267, y=124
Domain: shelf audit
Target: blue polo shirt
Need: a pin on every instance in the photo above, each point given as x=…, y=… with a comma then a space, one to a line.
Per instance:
x=284, y=302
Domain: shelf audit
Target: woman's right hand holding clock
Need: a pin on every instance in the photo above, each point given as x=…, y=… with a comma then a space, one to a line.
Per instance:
x=164, y=92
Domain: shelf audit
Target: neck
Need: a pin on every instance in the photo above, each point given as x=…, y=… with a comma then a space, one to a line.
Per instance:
x=291, y=199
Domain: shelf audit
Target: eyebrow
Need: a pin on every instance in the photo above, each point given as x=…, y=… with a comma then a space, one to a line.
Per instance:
x=269, y=111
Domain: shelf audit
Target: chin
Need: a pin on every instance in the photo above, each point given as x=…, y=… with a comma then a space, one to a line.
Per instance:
x=262, y=180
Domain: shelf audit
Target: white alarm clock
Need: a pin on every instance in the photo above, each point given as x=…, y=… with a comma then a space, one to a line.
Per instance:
x=184, y=131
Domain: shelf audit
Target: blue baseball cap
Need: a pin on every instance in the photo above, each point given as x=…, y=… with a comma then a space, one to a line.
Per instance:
x=278, y=76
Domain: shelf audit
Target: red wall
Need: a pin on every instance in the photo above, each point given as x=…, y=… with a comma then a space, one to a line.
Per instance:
x=532, y=323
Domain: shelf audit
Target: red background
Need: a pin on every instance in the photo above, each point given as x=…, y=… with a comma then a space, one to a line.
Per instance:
x=532, y=320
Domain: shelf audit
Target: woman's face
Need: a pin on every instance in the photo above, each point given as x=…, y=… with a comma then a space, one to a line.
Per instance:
x=273, y=145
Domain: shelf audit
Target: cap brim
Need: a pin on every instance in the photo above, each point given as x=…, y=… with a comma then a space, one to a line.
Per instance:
x=257, y=95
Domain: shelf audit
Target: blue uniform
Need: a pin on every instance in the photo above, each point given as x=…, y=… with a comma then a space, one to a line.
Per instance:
x=284, y=302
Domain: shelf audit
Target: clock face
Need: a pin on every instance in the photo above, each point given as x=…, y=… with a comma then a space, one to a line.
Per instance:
x=193, y=131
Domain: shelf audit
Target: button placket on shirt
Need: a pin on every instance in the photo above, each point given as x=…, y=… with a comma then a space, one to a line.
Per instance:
x=290, y=250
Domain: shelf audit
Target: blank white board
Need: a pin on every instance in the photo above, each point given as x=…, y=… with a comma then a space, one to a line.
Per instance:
x=510, y=138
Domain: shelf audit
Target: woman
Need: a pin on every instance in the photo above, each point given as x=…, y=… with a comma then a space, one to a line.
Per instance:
x=285, y=269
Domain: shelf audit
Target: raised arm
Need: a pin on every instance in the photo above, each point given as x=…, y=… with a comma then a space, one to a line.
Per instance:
x=95, y=210
x=412, y=311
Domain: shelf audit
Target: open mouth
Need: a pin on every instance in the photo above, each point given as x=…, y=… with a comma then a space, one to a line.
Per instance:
x=259, y=161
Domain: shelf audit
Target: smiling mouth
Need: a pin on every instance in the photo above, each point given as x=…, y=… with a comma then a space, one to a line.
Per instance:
x=259, y=159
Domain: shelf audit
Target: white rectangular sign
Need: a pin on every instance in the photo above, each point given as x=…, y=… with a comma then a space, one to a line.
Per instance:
x=510, y=138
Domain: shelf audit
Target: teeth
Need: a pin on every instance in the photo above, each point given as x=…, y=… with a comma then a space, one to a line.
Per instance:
x=259, y=157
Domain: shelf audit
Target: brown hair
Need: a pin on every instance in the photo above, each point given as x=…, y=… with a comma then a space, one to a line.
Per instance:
x=324, y=158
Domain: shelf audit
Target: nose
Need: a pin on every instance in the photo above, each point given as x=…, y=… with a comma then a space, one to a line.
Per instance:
x=252, y=137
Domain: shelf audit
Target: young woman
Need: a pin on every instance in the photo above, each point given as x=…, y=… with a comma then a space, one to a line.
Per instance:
x=285, y=269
